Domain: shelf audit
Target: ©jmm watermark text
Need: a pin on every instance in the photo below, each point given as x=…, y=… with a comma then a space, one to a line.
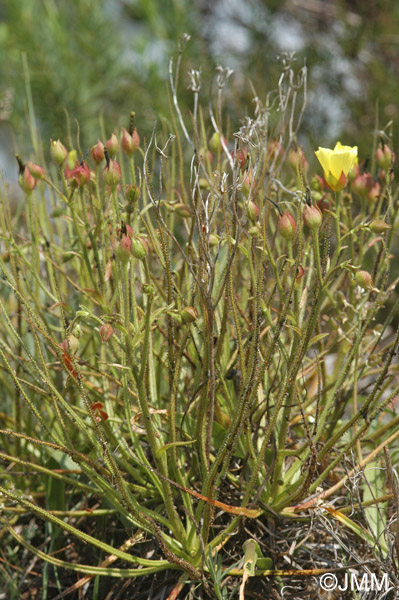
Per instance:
x=354, y=582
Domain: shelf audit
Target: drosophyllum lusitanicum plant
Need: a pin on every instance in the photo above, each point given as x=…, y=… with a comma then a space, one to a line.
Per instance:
x=198, y=335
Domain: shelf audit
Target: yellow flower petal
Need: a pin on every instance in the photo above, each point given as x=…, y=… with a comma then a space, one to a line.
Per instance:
x=340, y=162
x=323, y=155
x=337, y=163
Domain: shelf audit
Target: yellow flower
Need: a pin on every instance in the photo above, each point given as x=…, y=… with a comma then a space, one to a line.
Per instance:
x=336, y=164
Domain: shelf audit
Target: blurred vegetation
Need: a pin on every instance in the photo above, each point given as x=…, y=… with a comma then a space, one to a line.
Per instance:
x=103, y=58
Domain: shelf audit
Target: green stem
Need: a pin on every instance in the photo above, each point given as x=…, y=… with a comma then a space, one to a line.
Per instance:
x=316, y=249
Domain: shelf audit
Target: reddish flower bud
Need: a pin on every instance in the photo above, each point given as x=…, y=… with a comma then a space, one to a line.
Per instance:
x=374, y=193
x=252, y=211
x=97, y=152
x=112, y=146
x=296, y=159
x=323, y=204
x=384, y=157
x=379, y=226
x=108, y=271
x=286, y=225
x=35, y=170
x=124, y=229
x=382, y=176
x=26, y=181
x=189, y=314
x=312, y=217
x=58, y=152
x=80, y=174
x=130, y=142
x=248, y=183
x=241, y=158
x=112, y=174
x=124, y=248
x=106, y=331
x=362, y=185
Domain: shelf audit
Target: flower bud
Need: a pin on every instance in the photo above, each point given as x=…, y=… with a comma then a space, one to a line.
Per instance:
x=364, y=279
x=183, y=210
x=189, y=314
x=312, y=217
x=241, y=158
x=112, y=174
x=382, y=176
x=248, y=182
x=362, y=185
x=130, y=142
x=35, y=170
x=204, y=184
x=124, y=229
x=254, y=231
x=79, y=175
x=323, y=204
x=215, y=143
x=346, y=199
x=26, y=181
x=374, y=193
x=317, y=183
x=97, y=152
x=286, y=225
x=354, y=172
x=132, y=194
x=148, y=289
x=296, y=159
x=379, y=226
x=213, y=239
x=139, y=248
x=112, y=146
x=124, y=248
x=58, y=152
x=106, y=331
x=72, y=159
x=71, y=344
x=383, y=157
x=252, y=211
